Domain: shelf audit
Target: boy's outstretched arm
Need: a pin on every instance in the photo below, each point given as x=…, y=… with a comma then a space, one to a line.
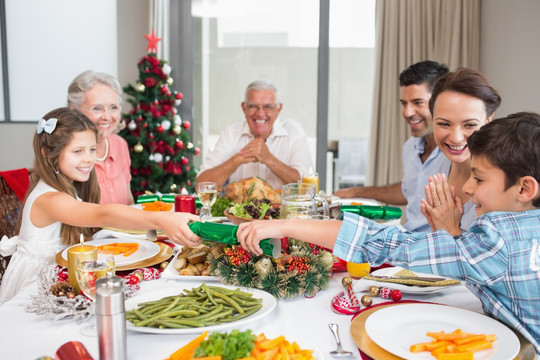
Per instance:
x=318, y=232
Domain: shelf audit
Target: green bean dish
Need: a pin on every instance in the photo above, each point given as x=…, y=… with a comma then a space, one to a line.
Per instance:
x=199, y=307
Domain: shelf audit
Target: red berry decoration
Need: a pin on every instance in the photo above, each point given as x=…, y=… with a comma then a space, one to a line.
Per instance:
x=395, y=295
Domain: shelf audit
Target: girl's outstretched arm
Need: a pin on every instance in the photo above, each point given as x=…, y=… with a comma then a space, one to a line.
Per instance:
x=318, y=232
x=57, y=206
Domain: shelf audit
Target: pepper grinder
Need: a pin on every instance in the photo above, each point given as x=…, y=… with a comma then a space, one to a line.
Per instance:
x=111, y=318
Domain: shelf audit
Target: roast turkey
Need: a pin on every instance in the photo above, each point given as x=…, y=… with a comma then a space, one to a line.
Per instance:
x=251, y=188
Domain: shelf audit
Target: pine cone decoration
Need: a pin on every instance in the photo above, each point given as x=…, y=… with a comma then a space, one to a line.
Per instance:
x=63, y=288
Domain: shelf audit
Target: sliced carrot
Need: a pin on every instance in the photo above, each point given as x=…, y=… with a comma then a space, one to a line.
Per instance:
x=186, y=352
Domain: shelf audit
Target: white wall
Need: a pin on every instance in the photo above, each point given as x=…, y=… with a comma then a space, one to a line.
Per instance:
x=510, y=51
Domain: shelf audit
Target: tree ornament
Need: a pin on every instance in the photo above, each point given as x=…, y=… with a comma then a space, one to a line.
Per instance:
x=166, y=125
x=395, y=295
x=385, y=293
x=186, y=125
x=190, y=145
x=173, y=189
x=167, y=158
x=177, y=120
x=160, y=129
x=366, y=300
x=185, y=161
x=178, y=95
x=140, y=87
x=132, y=125
x=158, y=157
x=138, y=148
x=179, y=144
x=166, y=69
x=170, y=81
x=197, y=151
x=374, y=291
x=177, y=102
x=177, y=129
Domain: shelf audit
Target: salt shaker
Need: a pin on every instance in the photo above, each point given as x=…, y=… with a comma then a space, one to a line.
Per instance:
x=111, y=318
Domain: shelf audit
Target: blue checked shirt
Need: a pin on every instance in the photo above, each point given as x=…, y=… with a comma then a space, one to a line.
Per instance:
x=498, y=259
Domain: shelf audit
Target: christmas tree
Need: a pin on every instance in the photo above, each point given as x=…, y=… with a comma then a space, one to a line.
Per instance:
x=159, y=144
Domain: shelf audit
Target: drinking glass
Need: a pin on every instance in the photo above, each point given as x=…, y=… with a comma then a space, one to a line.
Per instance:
x=207, y=192
x=88, y=271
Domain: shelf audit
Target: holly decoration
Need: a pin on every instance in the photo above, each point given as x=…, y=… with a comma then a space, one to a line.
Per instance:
x=300, y=270
x=159, y=163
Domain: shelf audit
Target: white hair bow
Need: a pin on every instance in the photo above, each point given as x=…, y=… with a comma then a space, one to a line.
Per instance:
x=47, y=125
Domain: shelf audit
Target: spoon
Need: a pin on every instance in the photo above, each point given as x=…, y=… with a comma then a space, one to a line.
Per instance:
x=339, y=352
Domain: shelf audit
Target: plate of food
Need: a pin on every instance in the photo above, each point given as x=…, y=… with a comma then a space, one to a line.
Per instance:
x=404, y=280
x=256, y=304
x=246, y=344
x=190, y=263
x=397, y=328
x=140, y=249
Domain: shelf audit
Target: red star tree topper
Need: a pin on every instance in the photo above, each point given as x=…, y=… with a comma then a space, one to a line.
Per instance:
x=160, y=146
x=152, y=42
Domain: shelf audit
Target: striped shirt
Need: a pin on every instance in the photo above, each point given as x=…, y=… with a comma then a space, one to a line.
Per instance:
x=498, y=259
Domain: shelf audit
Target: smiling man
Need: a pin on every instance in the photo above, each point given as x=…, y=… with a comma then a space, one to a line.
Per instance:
x=420, y=155
x=265, y=145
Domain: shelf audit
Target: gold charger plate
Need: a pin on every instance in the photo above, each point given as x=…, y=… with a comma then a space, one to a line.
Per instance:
x=371, y=349
x=165, y=252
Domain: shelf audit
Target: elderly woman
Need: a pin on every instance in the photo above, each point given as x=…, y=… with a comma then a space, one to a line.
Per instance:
x=99, y=96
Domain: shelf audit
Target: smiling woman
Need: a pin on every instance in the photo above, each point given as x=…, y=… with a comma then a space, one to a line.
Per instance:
x=462, y=101
x=98, y=96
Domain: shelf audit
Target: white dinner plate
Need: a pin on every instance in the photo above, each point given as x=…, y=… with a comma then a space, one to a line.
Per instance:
x=146, y=250
x=171, y=273
x=364, y=284
x=396, y=328
x=268, y=304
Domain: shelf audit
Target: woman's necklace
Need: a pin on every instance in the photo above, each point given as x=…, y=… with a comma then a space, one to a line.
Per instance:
x=106, y=151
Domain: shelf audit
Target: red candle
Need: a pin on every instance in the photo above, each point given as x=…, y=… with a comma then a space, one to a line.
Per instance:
x=185, y=203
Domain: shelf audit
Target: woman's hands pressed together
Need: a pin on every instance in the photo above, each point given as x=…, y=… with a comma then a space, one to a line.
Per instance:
x=442, y=208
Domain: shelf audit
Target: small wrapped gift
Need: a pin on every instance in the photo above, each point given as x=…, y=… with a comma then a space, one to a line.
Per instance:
x=226, y=234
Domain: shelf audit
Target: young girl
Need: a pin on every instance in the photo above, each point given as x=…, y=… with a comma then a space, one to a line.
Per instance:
x=63, y=199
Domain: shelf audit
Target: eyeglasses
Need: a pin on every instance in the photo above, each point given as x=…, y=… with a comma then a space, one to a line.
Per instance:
x=267, y=108
x=100, y=109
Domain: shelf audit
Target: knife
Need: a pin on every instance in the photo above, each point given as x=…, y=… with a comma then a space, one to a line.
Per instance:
x=402, y=277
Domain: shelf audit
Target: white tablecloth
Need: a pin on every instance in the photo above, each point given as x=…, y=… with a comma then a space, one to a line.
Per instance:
x=305, y=320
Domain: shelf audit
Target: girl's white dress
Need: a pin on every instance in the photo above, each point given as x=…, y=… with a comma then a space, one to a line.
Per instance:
x=35, y=249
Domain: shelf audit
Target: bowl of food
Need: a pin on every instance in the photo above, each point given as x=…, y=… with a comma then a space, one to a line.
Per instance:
x=236, y=220
x=254, y=209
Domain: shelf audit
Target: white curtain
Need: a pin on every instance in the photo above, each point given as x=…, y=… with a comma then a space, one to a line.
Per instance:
x=408, y=31
x=159, y=21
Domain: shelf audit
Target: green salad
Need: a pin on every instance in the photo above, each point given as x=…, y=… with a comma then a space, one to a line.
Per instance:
x=255, y=209
x=235, y=345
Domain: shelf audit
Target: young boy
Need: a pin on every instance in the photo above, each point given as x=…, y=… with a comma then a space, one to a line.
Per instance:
x=499, y=257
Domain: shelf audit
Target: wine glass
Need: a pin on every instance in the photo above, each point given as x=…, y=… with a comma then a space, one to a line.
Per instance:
x=207, y=192
x=88, y=272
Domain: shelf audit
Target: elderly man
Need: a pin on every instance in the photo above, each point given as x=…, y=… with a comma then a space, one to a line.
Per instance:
x=265, y=145
x=420, y=154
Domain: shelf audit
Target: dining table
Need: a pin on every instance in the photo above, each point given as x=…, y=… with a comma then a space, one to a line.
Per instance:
x=305, y=320
x=25, y=335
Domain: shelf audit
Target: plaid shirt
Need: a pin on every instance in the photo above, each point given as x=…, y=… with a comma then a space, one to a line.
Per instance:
x=498, y=258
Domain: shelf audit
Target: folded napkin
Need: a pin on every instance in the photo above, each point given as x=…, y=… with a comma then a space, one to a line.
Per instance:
x=405, y=272
x=18, y=180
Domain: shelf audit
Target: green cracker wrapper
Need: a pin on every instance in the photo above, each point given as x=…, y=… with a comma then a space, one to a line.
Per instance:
x=226, y=234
